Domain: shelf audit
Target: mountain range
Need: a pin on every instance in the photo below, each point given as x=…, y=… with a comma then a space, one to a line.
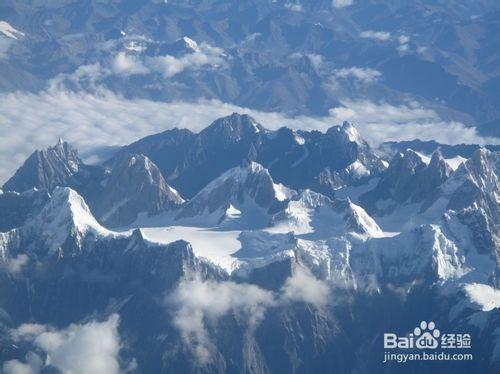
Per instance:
x=241, y=249
x=297, y=57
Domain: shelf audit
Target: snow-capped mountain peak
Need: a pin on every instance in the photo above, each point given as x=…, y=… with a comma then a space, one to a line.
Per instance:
x=319, y=217
x=65, y=215
x=234, y=126
x=248, y=189
x=483, y=169
x=351, y=132
x=190, y=43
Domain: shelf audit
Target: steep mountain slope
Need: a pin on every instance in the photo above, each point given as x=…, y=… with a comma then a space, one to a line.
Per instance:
x=65, y=217
x=409, y=179
x=299, y=159
x=117, y=193
x=16, y=208
x=244, y=195
x=133, y=186
x=320, y=217
x=46, y=169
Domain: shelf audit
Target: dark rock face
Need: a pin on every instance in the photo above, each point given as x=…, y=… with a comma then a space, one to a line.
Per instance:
x=167, y=149
x=409, y=180
x=476, y=200
x=432, y=177
x=117, y=193
x=188, y=162
x=16, y=208
x=226, y=143
x=133, y=185
x=46, y=169
x=299, y=159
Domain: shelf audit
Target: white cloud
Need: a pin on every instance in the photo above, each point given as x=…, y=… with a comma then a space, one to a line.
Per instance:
x=84, y=77
x=198, y=302
x=305, y=287
x=88, y=348
x=125, y=64
x=366, y=75
x=294, y=7
x=379, y=122
x=377, y=35
x=94, y=121
x=316, y=60
x=422, y=49
x=252, y=37
x=342, y=3
x=14, y=265
x=403, y=48
x=169, y=66
x=33, y=365
x=403, y=39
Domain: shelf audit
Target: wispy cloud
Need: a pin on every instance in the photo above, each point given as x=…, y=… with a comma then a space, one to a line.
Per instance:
x=379, y=122
x=80, y=348
x=196, y=303
x=97, y=121
x=204, y=55
x=316, y=60
x=15, y=265
x=296, y=7
x=126, y=64
x=342, y=3
x=366, y=75
x=376, y=35
x=304, y=287
x=403, y=41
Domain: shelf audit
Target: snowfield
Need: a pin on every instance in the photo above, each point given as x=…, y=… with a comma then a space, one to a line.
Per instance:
x=211, y=244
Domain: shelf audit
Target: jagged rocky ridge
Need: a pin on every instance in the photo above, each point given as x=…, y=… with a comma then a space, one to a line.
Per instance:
x=422, y=235
x=298, y=159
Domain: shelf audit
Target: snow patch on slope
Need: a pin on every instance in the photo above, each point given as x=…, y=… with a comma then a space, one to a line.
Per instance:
x=316, y=215
x=455, y=162
x=9, y=31
x=216, y=246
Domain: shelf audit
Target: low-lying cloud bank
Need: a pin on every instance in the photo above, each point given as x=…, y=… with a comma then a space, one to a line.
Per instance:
x=196, y=304
x=87, y=348
x=95, y=121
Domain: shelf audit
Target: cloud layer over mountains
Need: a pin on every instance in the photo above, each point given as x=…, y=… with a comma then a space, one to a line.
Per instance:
x=96, y=122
